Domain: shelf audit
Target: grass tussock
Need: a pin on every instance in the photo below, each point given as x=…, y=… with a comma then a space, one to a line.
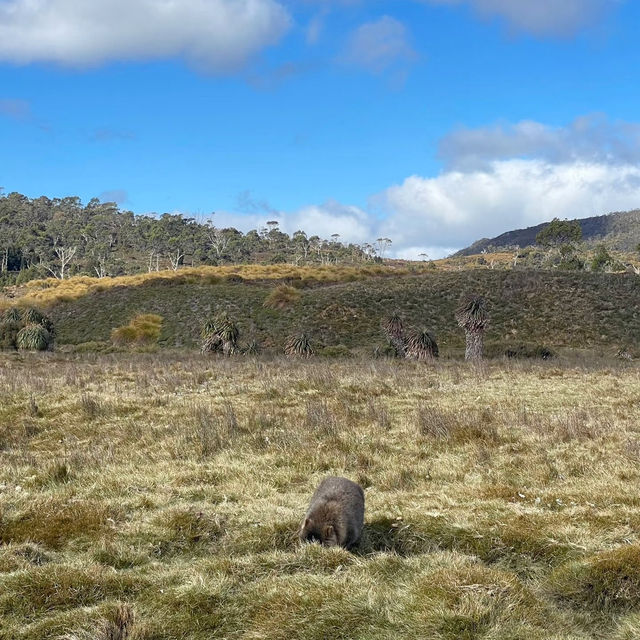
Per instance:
x=282, y=297
x=157, y=496
x=608, y=581
x=142, y=330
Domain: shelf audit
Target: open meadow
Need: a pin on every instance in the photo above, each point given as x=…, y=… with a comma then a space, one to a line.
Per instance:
x=156, y=496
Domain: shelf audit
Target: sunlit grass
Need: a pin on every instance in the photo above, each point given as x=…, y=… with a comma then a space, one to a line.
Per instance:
x=161, y=494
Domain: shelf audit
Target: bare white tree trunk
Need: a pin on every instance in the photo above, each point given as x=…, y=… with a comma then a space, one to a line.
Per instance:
x=174, y=259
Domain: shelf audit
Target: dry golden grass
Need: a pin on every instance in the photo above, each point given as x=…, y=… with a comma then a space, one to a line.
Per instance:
x=157, y=497
x=51, y=291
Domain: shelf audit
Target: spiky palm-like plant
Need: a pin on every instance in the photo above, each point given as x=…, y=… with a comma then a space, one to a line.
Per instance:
x=473, y=317
x=12, y=315
x=30, y=315
x=394, y=330
x=222, y=331
x=421, y=345
x=211, y=343
x=33, y=337
x=252, y=349
x=299, y=345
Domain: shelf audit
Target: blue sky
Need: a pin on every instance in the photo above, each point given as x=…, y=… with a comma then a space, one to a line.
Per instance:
x=432, y=122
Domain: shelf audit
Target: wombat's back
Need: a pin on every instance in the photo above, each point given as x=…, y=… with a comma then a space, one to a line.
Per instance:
x=336, y=513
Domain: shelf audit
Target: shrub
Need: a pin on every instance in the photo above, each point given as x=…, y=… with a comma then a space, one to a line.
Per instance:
x=143, y=329
x=282, y=297
x=33, y=337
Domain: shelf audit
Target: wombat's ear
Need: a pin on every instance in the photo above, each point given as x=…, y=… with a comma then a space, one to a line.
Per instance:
x=329, y=532
x=307, y=523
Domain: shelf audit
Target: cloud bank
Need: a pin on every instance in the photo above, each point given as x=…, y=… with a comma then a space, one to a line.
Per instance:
x=212, y=35
x=590, y=167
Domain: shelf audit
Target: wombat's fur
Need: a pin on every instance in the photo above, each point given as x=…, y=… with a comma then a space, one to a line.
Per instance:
x=336, y=514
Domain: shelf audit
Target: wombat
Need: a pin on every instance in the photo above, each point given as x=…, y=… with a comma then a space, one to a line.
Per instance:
x=336, y=514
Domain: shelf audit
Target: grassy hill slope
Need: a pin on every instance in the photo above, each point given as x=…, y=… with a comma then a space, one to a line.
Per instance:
x=554, y=308
x=620, y=231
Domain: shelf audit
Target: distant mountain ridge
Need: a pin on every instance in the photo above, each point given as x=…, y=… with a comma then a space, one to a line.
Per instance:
x=619, y=231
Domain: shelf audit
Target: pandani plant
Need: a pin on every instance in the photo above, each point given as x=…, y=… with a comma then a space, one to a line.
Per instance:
x=299, y=345
x=421, y=345
x=394, y=330
x=473, y=317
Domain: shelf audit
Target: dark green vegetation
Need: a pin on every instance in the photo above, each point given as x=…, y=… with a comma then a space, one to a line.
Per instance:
x=619, y=231
x=61, y=237
x=158, y=496
x=554, y=309
x=27, y=329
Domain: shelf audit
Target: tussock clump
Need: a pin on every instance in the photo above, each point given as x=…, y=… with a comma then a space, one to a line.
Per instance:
x=320, y=419
x=33, y=337
x=607, y=581
x=54, y=587
x=12, y=315
x=211, y=429
x=447, y=425
x=282, y=297
x=186, y=530
x=144, y=329
x=27, y=328
x=91, y=406
x=474, y=602
x=15, y=557
x=54, y=522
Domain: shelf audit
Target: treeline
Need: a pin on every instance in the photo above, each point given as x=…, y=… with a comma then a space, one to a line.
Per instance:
x=61, y=237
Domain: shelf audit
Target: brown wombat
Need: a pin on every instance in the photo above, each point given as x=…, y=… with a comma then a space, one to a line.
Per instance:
x=336, y=514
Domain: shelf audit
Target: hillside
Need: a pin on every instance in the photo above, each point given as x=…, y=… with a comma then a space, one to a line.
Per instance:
x=619, y=231
x=558, y=309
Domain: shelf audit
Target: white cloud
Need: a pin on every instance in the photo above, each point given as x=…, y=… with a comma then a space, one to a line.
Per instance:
x=589, y=138
x=377, y=46
x=438, y=215
x=457, y=208
x=213, y=35
x=539, y=17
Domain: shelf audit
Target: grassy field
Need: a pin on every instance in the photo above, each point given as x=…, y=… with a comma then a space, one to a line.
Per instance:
x=157, y=497
x=338, y=306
